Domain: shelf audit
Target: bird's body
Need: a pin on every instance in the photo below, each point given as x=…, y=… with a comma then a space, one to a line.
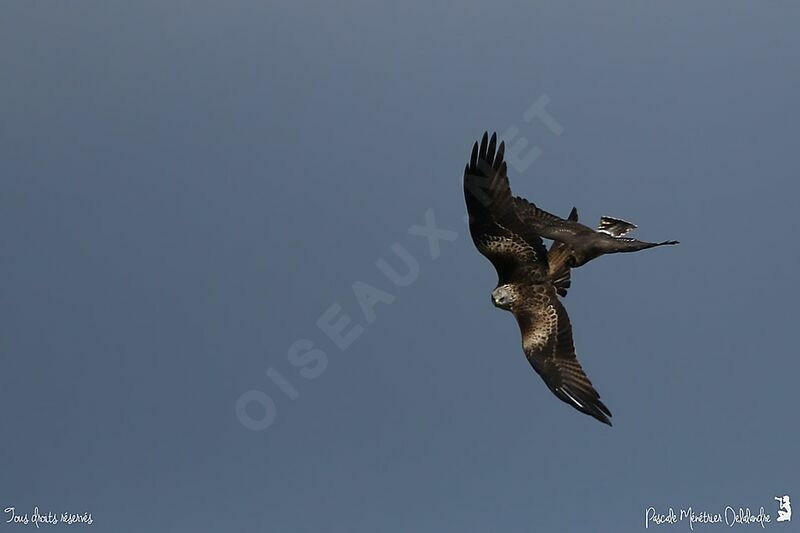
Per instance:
x=508, y=231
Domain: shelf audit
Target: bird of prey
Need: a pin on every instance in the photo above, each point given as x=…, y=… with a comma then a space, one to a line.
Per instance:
x=508, y=230
x=525, y=287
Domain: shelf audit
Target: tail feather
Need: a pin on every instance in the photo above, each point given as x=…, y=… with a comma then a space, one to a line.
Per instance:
x=562, y=283
x=558, y=258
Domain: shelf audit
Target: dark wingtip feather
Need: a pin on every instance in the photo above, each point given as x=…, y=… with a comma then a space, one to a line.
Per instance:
x=501, y=151
x=473, y=158
x=598, y=411
x=602, y=406
x=490, y=150
x=588, y=402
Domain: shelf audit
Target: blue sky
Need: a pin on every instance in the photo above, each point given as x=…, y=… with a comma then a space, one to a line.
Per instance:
x=188, y=187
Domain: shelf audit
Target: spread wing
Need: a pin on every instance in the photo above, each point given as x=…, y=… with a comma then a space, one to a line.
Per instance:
x=516, y=253
x=548, y=225
x=547, y=341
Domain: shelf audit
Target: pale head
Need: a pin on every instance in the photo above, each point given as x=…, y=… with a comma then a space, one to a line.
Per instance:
x=504, y=296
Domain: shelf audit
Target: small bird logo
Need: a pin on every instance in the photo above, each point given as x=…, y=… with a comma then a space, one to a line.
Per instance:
x=784, y=508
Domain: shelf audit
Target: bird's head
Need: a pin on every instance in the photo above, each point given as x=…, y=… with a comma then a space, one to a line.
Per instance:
x=504, y=296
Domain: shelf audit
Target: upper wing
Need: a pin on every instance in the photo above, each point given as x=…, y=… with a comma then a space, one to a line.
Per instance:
x=493, y=223
x=548, y=225
x=547, y=341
